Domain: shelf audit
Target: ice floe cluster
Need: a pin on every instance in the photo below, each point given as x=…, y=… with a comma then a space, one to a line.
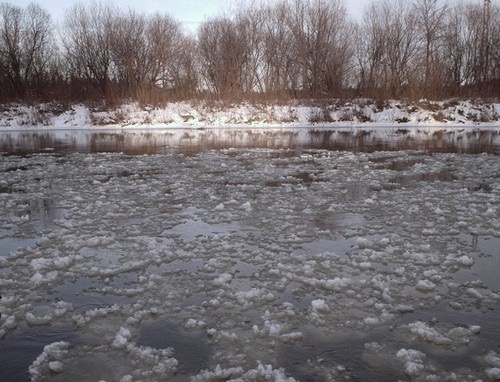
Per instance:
x=275, y=264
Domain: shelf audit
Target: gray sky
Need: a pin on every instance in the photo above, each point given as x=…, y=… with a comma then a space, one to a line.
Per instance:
x=189, y=12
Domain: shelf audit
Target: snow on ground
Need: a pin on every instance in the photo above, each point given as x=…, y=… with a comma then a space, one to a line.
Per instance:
x=253, y=265
x=202, y=114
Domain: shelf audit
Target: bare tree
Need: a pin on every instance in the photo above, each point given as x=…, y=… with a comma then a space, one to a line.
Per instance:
x=431, y=15
x=223, y=54
x=87, y=42
x=280, y=66
x=131, y=57
x=250, y=23
x=392, y=43
x=182, y=68
x=495, y=49
x=26, y=48
x=165, y=39
x=11, y=48
x=370, y=53
x=323, y=44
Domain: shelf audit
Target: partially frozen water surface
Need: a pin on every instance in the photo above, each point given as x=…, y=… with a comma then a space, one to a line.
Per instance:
x=264, y=261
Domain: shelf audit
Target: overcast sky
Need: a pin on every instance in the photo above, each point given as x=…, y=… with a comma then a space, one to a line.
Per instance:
x=189, y=12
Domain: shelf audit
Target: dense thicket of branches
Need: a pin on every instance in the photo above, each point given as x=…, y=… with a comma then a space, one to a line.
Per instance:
x=280, y=50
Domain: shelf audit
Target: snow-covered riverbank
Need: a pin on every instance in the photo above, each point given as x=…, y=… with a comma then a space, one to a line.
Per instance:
x=359, y=113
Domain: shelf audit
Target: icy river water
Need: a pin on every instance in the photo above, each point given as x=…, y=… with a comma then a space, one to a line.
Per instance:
x=250, y=255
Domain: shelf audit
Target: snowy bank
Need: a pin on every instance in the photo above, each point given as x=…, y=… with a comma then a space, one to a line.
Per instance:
x=198, y=114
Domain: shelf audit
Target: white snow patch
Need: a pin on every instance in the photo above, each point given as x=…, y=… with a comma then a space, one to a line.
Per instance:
x=199, y=114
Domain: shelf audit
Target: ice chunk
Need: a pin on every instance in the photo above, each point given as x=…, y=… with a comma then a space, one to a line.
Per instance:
x=81, y=320
x=39, y=278
x=403, y=309
x=121, y=338
x=260, y=373
x=474, y=293
x=460, y=335
x=63, y=262
x=476, y=329
x=371, y=321
x=211, y=332
x=490, y=212
x=272, y=328
x=52, y=354
x=37, y=320
x=247, y=206
x=291, y=337
x=192, y=323
x=412, y=360
x=39, y=264
x=56, y=366
x=253, y=295
x=218, y=374
x=493, y=373
x=465, y=261
x=319, y=306
x=492, y=359
x=223, y=278
x=362, y=243
x=267, y=373
x=337, y=283
x=365, y=266
x=427, y=333
x=425, y=286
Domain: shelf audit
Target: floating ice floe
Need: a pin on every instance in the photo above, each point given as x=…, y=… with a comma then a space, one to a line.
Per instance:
x=49, y=359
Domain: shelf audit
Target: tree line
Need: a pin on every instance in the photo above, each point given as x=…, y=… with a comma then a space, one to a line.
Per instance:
x=287, y=49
